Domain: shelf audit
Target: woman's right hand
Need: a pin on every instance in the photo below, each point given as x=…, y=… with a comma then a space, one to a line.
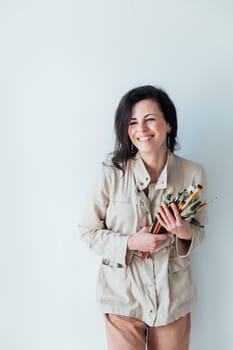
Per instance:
x=145, y=241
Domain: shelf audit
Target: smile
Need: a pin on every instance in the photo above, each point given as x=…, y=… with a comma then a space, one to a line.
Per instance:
x=145, y=138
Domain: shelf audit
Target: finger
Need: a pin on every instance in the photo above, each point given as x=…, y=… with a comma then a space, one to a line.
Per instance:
x=158, y=240
x=176, y=213
x=145, y=229
x=169, y=212
x=161, y=237
x=165, y=214
x=161, y=214
x=161, y=220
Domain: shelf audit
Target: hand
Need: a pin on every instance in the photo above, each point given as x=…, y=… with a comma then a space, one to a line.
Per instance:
x=145, y=241
x=171, y=220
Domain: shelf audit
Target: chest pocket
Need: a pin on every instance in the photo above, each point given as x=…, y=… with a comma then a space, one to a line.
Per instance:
x=124, y=213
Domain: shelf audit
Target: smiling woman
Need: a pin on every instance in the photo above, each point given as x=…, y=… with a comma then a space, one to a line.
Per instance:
x=147, y=127
x=148, y=131
x=146, y=303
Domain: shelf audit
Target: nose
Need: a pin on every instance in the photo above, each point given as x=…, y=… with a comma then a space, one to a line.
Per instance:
x=142, y=126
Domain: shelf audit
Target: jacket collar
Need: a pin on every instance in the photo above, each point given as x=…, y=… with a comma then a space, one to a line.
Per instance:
x=142, y=176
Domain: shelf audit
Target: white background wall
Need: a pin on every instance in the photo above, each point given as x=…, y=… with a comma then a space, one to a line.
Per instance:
x=64, y=65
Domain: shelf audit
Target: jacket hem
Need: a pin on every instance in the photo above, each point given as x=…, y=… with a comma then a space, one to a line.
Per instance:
x=126, y=310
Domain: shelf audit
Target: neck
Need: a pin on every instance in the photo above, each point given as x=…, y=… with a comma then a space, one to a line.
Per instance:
x=155, y=163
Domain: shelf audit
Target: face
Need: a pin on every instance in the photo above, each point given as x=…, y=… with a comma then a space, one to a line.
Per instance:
x=147, y=127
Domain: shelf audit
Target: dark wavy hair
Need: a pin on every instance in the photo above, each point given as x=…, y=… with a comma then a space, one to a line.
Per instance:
x=124, y=149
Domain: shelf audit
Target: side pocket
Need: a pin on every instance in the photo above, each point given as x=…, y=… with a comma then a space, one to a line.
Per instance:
x=177, y=264
x=182, y=288
x=113, y=284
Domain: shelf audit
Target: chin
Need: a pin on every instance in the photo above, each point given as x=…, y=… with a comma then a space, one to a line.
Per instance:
x=146, y=151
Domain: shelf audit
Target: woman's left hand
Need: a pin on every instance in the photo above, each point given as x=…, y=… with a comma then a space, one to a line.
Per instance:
x=171, y=220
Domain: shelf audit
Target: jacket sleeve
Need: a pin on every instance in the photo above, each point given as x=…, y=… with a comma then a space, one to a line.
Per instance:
x=110, y=245
x=183, y=247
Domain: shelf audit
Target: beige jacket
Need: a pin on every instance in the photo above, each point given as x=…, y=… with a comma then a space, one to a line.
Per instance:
x=159, y=289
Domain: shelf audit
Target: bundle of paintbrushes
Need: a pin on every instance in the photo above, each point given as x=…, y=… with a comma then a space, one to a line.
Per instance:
x=185, y=204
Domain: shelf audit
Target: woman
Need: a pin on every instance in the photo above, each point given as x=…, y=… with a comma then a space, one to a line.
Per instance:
x=146, y=303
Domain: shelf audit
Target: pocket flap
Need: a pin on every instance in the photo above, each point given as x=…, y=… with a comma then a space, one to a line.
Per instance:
x=177, y=264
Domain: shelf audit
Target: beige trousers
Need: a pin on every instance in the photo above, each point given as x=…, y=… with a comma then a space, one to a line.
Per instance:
x=126, y=333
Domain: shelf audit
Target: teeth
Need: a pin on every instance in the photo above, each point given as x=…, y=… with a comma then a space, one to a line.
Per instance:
x=145, y=138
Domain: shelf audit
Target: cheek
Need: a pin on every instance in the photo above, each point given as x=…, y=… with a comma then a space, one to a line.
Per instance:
x=161, y=135
x=163, y=130
x=130, y=133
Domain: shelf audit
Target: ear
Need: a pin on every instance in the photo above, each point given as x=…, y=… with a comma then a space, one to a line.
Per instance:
x=169, y=128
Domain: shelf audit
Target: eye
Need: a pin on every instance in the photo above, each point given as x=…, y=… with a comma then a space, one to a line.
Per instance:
x=150, y=119
x=132, y=122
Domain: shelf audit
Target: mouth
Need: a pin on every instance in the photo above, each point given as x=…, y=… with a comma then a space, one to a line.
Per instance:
x=144, y=138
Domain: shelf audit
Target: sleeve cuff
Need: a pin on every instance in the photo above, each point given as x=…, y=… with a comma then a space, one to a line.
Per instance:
x=185, y=247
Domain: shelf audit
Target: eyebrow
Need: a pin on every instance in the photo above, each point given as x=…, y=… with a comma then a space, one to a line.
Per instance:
x=146, y=115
